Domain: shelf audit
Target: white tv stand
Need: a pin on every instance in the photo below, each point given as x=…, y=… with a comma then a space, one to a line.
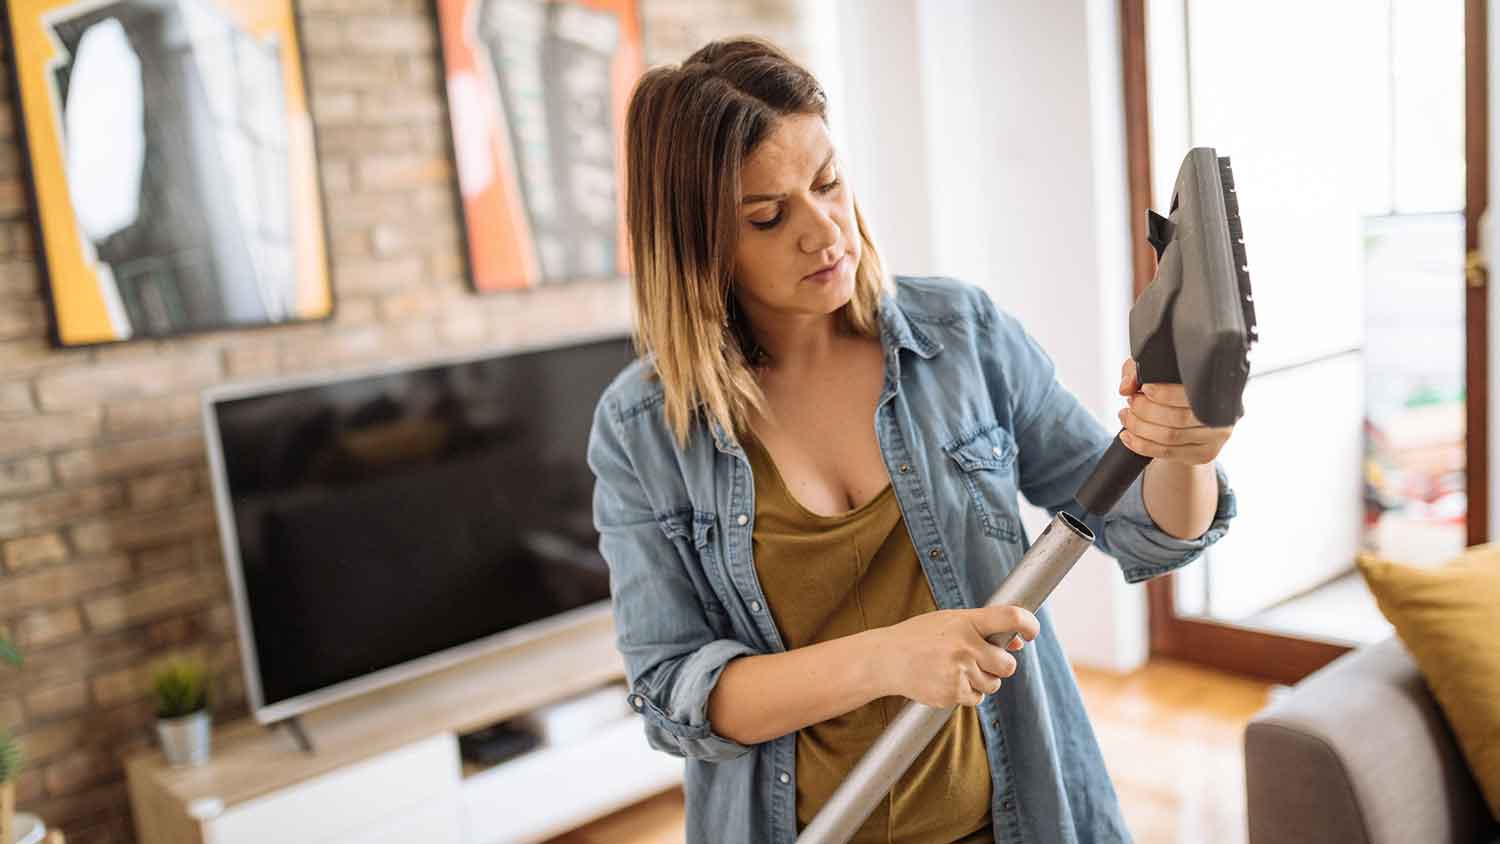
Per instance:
x=386, y=767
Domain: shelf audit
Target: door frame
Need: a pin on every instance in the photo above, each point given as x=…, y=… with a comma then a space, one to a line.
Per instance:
x=1476, y=290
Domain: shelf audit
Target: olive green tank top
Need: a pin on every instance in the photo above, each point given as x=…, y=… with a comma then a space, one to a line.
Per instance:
x=825, y=577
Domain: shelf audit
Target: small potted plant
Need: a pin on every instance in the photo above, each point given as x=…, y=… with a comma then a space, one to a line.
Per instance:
x=10, y=760
x=183, y=721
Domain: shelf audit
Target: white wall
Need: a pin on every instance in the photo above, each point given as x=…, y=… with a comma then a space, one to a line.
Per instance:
x=985, y=141
x=885, y=147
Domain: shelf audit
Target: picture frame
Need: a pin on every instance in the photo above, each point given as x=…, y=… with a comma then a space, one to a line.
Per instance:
x=171, y=159
x=537, y=94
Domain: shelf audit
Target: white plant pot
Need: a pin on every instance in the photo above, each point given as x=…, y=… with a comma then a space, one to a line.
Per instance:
x=185, y=741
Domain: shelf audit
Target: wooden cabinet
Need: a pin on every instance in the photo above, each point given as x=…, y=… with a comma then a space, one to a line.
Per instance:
x=350, y=802
x=386, y=766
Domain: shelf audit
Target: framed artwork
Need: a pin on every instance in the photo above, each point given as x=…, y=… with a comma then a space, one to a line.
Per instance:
x=537, y=92
x=172, y=164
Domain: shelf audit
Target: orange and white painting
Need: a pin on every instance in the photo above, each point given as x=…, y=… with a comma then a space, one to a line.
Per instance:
x=537, y=91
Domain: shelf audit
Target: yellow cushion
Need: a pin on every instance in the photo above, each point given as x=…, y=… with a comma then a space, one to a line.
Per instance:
x=1449, y=618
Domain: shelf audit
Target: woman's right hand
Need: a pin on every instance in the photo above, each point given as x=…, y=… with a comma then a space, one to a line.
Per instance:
x=943, y=659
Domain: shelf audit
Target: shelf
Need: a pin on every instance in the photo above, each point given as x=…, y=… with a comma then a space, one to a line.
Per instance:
x=559, y=723
x=387, y=765
x=250, y=760
x=550, y=790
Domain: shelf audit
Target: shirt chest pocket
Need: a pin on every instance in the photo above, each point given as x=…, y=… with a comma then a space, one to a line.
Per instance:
x=985, y=461
x=695, y=533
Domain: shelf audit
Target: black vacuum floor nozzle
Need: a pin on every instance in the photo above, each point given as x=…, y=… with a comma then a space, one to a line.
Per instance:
x=1194, y=324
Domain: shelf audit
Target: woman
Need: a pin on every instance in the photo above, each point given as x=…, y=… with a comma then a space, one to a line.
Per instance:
x=808, y=483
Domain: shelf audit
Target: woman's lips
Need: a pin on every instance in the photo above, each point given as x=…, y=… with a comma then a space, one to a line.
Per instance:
x=824, y=275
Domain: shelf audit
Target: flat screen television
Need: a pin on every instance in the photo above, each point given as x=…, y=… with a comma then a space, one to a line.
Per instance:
x=394, y=521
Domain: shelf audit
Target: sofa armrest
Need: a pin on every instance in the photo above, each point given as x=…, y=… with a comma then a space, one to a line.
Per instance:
x=1358, y=752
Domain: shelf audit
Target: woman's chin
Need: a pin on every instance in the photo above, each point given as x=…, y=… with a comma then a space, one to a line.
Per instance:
x=842, y=289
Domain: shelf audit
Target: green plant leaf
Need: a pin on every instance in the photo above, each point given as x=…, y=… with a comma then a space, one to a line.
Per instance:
x=181, y=686
x=11, y=756
x=9, y=653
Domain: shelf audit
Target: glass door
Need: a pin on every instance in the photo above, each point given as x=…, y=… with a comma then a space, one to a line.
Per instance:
x=1351, y=180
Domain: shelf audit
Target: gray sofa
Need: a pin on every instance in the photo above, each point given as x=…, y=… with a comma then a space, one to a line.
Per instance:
x=1359, y=753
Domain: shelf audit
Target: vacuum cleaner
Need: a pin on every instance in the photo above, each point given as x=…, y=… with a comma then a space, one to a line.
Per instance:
x=1193, y=325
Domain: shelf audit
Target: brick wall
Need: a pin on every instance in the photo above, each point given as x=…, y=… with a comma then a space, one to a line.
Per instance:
x=109, y=553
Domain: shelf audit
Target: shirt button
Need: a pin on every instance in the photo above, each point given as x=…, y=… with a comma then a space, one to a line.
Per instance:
x=995, y=723
x=743, y=519
x=755, y=606
x=785, y=778
x=905, y=468
x=635, y=701
x=935, y=553
x=1008, y=805
x=995, y=451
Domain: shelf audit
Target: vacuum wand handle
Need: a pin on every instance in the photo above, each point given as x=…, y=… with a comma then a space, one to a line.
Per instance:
x=1115, y=472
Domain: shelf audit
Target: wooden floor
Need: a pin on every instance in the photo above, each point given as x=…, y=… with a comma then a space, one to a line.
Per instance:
x=1172, y=739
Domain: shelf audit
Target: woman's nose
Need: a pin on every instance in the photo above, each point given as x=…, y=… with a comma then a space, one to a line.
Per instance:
x=822, y=232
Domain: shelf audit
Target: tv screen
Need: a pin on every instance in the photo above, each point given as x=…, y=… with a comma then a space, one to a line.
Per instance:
x=376, y=520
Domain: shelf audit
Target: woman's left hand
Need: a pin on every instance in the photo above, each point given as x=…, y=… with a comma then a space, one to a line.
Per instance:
x=1160, y=423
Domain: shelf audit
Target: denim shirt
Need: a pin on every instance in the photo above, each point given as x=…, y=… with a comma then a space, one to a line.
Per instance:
x=971, y=414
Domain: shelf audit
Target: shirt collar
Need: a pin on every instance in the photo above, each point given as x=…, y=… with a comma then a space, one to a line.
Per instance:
x=898, y=331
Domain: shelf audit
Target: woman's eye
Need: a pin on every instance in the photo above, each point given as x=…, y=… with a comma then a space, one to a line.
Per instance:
x=771, y=223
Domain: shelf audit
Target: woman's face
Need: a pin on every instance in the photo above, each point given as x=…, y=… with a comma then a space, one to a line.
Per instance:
x=796, y=216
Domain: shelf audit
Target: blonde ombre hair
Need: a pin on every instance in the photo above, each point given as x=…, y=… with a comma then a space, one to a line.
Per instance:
x=689, y=130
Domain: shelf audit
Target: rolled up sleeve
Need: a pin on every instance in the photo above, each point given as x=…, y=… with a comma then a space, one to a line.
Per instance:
x=1143, y=549
x=677, y=722
x=673, y=659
